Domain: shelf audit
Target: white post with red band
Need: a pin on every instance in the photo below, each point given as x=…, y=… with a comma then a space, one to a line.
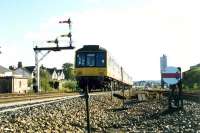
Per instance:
x=171, y=75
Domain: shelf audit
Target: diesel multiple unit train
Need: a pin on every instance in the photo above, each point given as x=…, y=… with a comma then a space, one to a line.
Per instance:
x=97, y=70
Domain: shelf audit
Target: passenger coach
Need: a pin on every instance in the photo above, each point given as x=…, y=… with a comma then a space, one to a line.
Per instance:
x=95, y=68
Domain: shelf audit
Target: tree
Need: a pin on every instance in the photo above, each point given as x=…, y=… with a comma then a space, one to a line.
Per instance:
x=195, y=86
x=68, y=71
x=191, y=79
x=44, y=80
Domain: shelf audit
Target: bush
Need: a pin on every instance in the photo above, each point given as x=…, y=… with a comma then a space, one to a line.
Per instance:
x=185, y=87
x=44, y=81
x=68, y=71
x=195, y=86
x=69, y=85
x=191, y=79
x=30, y=82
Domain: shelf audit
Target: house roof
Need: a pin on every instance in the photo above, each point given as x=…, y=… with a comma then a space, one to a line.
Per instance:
x=23, y=71
x=3, y=70
x=30, y=69
x=59, y=70
x=51, y=70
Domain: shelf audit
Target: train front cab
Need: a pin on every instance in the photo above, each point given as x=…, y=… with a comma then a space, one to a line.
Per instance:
x=90, y=69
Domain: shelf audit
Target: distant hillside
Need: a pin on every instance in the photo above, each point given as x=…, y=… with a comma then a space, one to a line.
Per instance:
x=154, y=81
x=147, y=83
x=191, y=79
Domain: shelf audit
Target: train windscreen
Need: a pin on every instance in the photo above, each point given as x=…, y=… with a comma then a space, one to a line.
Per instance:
x=100, y=59
x=90, y=59
x=80, y=59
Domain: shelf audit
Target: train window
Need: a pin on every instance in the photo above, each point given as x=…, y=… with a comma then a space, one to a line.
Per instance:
x=80, y=59
x=100, y=60
x=90, y=59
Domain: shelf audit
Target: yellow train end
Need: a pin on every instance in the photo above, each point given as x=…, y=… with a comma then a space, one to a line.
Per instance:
x=93, y=71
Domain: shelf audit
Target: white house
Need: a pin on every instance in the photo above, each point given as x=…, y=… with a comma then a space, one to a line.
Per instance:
x=12, y=82
x=56, y=74
x=61, y=75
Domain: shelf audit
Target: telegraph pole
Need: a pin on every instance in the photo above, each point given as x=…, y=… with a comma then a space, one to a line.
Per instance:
x=37, y=69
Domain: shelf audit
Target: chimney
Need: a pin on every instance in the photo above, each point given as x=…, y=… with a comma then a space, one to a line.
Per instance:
x=19, y=64
x=11, y=67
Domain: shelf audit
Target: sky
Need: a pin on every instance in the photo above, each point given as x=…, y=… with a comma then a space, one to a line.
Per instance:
x=135, y=32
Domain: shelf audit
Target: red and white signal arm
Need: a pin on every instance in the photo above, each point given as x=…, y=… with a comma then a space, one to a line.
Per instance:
x=171, y=75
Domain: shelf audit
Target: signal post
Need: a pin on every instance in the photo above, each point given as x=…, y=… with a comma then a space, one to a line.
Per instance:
x=172, y=77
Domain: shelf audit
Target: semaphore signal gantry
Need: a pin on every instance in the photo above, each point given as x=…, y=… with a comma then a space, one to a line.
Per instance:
x=56, y=41
x=37, y=50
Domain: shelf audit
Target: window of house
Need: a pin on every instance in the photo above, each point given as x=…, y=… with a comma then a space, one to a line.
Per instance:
x=20, y=84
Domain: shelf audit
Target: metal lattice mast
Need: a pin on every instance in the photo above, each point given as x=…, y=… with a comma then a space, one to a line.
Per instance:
x=37, y=70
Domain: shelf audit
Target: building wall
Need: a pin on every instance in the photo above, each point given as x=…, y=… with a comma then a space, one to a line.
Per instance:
x=61, y=76
x=163, y=63
x=20, y=85
x=5, y=85
x=13, y=85
x=54, y=75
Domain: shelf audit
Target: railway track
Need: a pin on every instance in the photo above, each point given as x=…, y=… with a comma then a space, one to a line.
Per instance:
x=38, y=100
x=11, y=102
x=8, y=98
x=193, y=96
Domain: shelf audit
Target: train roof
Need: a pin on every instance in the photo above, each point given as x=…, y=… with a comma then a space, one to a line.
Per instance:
x=91, y=48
